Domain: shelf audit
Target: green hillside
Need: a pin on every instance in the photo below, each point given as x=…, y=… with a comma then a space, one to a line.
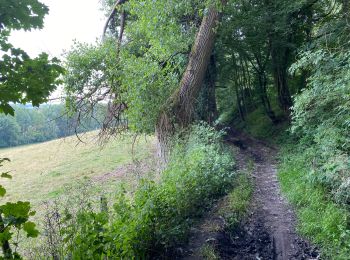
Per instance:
x=43, y=171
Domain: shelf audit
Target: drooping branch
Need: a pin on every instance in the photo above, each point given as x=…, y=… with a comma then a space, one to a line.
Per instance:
x=113, y=121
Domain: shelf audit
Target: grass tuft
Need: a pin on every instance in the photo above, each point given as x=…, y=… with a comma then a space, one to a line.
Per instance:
x=238, y=201
x=320, y=220
x=208, y=252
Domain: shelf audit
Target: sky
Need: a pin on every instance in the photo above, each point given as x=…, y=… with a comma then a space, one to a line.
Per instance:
x=67, y=20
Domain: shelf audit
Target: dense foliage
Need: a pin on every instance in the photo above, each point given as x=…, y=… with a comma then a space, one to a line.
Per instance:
x=321, y=113
x=142, y=75
x=274, y=63
x=157, y=216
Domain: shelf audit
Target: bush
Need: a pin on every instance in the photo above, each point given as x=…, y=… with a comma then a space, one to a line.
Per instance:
x=321, y=119
x=156, y=218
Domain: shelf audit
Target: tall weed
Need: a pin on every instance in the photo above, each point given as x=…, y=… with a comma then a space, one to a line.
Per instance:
x=155, y=218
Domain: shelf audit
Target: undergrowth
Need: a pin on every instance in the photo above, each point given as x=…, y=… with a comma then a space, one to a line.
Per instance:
x=156, y=218
x=323, y=218
x=238, y=201
x=320, y=219
x=258, y=125
x=233, y=210
x=208, y=252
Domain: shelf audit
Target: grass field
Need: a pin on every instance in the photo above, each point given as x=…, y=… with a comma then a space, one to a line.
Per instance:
x=44, y=171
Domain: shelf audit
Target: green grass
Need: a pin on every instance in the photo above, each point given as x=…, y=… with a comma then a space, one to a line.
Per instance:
x=157, y=216
x=322, y=221
x=47, y=170
x=233, y=209
x=208, y=252
x=238, y=200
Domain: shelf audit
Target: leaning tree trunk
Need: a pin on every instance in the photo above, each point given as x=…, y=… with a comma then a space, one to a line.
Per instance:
x=178, y=111
x=280, y=73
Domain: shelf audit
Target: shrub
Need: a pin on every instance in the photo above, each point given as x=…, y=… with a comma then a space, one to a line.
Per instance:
x=14, y=220
x=321, y=120
x=155, y=218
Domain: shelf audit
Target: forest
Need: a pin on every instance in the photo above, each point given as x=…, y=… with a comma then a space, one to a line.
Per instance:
x=33, y=125
x=249, y=104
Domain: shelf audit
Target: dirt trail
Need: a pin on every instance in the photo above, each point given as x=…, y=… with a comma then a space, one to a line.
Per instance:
x=269, y=230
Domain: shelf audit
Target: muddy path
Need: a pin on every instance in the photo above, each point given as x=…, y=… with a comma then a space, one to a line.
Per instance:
x=268, y=232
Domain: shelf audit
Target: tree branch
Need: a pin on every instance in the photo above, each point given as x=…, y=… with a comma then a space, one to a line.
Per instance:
x=113, y=12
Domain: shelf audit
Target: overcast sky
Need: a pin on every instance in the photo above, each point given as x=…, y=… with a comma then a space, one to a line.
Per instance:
x=67, y=20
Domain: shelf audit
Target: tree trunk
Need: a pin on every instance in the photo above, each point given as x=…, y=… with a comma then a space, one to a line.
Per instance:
x=239, y=103
x=280, y=66
x=346, y=7
x=111, y=15
x=264, y=97
x=179, y=109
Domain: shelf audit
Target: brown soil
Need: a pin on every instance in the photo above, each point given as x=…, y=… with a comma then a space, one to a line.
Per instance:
x=269, y=230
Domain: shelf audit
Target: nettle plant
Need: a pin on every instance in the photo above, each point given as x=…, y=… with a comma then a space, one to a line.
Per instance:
x=14, y=218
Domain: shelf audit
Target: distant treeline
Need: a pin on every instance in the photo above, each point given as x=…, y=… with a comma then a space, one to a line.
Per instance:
x=33, y=125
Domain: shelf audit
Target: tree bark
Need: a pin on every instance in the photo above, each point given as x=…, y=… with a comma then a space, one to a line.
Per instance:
x=264, y=97
x=179, y=110
x=346, y=7
x=280, y=57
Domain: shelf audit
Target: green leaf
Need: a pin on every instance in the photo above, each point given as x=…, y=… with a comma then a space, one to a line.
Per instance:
x=30, y=228
x=19, y=210
x=2, y=191
x=7, y=109
x=6, y=175
x=5, y=235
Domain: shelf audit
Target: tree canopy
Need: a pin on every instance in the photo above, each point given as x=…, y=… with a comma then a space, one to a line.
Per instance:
x=24, y=79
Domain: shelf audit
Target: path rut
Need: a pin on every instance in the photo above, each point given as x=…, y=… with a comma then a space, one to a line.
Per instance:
x=269, y=230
